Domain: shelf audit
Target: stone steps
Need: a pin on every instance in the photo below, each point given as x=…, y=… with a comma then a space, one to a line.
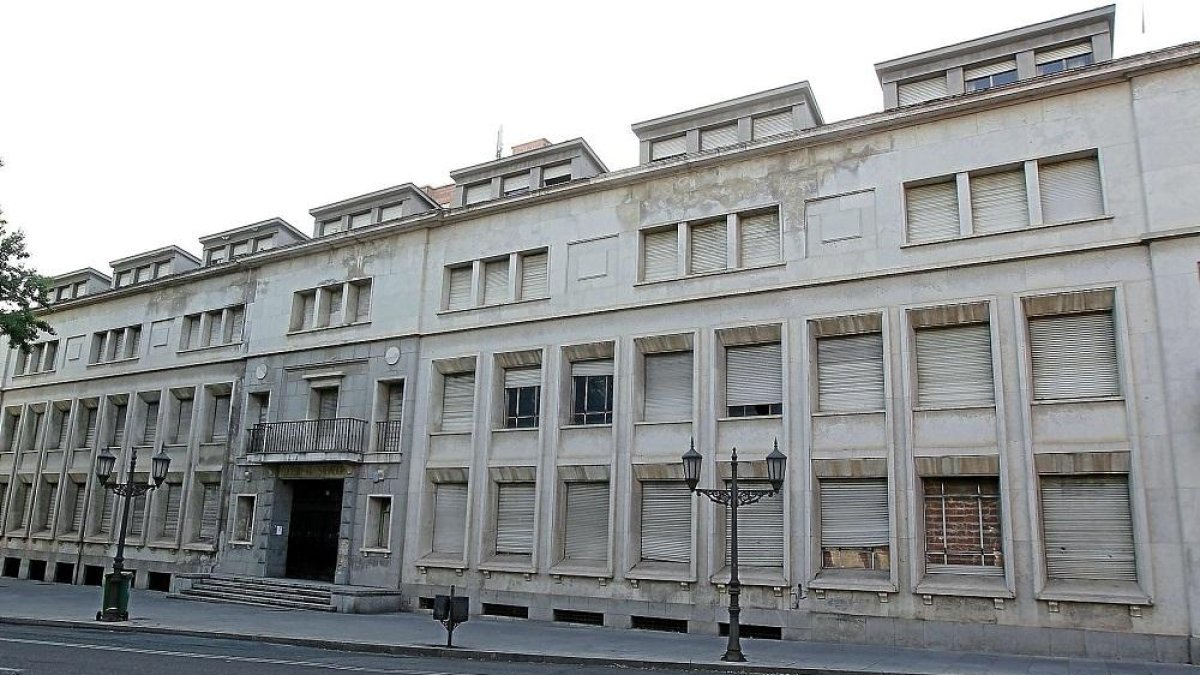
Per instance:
x=278, y=593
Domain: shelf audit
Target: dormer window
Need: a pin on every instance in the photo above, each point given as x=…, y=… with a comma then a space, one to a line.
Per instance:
x=215, y=257
x=162, y=269
x=556, y=174
x=773, y=124
x=718, y=137
x=516, y=184
x=241, y=248
x=980, y=78
x=331, y=226
x=360, y=219
x=1064, y=58
x=391, y=212
x=124, y=278
x=479, y=192
x=668, y=147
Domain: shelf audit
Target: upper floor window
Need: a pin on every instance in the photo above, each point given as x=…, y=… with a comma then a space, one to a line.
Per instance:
x=991, y=75
x=522, y=397
x=754, y=379
x=531, y=269
x=515, y=184
x=458, y=401
x=737, y=241
x=718, y=137
x=332, y=226
x=239, y=249
x=1064, y=58
x=480, y=192
x=667, y=387
x=332, y=305
x=124, y=278
x=772, y=124
x=592, y=392
x=1074, y=356
x=556, y=174
x=953, y=348
x=850, y=364
x=116, y=344
x=668, y=147
x=918, y=91
x=38, y=358
x=391, y=211
x=216, y=256
x=215, y=327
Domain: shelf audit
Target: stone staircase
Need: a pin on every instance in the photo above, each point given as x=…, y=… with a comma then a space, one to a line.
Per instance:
x=281, y=593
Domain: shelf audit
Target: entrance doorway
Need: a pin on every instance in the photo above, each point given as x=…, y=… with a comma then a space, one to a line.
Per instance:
x=313, y=530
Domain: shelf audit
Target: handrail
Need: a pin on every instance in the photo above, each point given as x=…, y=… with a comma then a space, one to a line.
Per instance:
x=338, y=434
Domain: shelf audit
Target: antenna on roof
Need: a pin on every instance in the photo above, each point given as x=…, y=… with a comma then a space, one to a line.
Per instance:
x=500, y=141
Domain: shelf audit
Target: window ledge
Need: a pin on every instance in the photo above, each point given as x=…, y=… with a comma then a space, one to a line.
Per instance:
x=595, y=571
x=752, y=576
x=163, y=544
x=509, y=430
x=1092, y=399
x=241, y=544
x=572, y=427
x=715, y=273
x=519, y=564
x=1103, y=592
x=439, y=561
x=965, y=586
x=450, y=433
x=661, y=422
x=848, y=413
x=318, y=329
x=523, y=301
x=750, y=417
x=656, y=571
x=35, y=373
x=190, y=350
x=1026, y=228
x=109, y=363
x=202, y=547
x=853, y=580
x=44, y=535
x=948, y=408
x=376, y=552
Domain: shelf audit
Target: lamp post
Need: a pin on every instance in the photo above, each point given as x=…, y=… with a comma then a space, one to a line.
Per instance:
x=734, y=497
x=116, y=584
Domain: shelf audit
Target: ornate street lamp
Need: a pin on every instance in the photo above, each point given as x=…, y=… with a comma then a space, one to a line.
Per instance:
x=116, y=584
x=734, y=497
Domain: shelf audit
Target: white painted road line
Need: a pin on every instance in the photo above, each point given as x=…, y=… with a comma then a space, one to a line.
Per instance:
x=217, y=657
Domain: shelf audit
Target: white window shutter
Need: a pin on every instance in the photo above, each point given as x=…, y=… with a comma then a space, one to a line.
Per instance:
x=710, y=247
x=773, y=124
x=522, y=377
x=449, y=518
x=954, y=366
x=666, y=522
x=480, y=192
x=458, y=402
x=495, y=281
x=515, y=517
x=850, y=373
x=173, y=499
x=759, y=238
x=754, y=375
x=718, y=137
x=661, y=254
x=932, y=212
x=668, y=147
x=854, y=513
x=596, y=367
x=989, y=69
x=210, y=512
x=668, y=387
x=460, y=287
x=1088, y=528
x=1070, y=190
x=150, y=430
x=760, y=530
x=534, y=275
x=910, y=93
x=586, y=536
x=1073, y=356
x=1060, y=53
x=999, y=201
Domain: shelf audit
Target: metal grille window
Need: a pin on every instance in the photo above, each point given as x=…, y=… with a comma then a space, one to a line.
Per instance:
x=666, y=522
x=1087, y=528
x=534, y=280
x=854, y=524
x=962, y=526
x=931, y=211
x=998, y=201
x=495, y=281
x=522, y=397
x=514, y=518
x=954, y=366
x=667, y=387
x=759, y=238
x=709, y=247
x=754, y=380
x=586, y=536
x=592, y=392
x=1070, y=190
x=449, y=518
x=660, y=251
x=1073, y=356
x=760, y=529
x=850, y=373
x=458, y=402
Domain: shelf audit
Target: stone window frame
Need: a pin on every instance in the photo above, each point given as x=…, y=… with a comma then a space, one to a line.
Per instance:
x=238, y=504
x=374, y=504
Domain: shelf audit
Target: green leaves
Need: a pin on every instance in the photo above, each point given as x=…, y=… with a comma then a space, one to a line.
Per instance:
x=22, y=290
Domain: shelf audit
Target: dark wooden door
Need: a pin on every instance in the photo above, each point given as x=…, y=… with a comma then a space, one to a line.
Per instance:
x=313, y=531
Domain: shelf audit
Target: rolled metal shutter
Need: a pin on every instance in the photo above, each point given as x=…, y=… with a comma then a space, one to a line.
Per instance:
x=718, y=137
x=193, y=332
x=335, y=300
x=850, y=373
x=213, y=337
x=458, y=402
x=989, y=69
x=77, y=508
x=173, y=498
x=52, y=505
x=395, y=402
x=308, y=309
x=773, y=124
x=668, y=147
x=586, y=536
x=107, y=506
x=210, y=512
x=1070, y=190
x=150, y=432
x=760, y=530
x=63, y=428
x=449, y=517
x=480, y=192
x=954, y=366
x=999, y=201
x=390, y=212
x=460, y=288
x=710, y=247
x=495, y=281
x=932, y=212
x=327, y=403
x=661, y=251
x=668, y=387
x=118, y=438
x=517, y=183
x=556, y=172
x=362, y=302
x=183, y=423
x=237, y=324
x=534, y=276
x=515, y=517
x=1088, y=528
x=854, y=513
x=754, y=374
x=910, y=93
x=89, y=437
x=1060, y=53
x=597, y=367
x=3, y=508
x=522, y=377
x=759, y=239
x=119, y=345
x=137, y=520
x=1074, y=356
x=666, y=522
x=220, y=417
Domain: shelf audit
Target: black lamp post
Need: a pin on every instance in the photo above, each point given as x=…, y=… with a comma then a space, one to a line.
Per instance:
x=734, y=497
x=116, y=584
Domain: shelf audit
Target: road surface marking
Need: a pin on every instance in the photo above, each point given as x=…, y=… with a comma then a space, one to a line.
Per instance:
x=221, y=657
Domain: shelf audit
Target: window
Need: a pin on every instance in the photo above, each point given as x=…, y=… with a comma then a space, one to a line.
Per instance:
x=393, y=414
x=931, y=211
x=760, y=529
x=495, y=281
x=517, y=184
x=264, y=243
x=854, y=524
x=59, y=420
x=666, y=535
x=998, y=201
x=660, y=254
x=962, y=526
x=331, y=306
x=391, y=212
x=216, y=256
x=124, y=278
x=1073, y=356
x=757, y=236
x=260, y=405
x=556, y=174
x=332, y=226
x=1063, y=58
x=709, y=247
x=667, y=385
x=105, y=510
x=919, y=91
x=1087, y=528
x=80, y=289
x=304, y=305
x=78, y=502
x=150, y=424
x=210, y=512
x=759, y=239
x=162, y=269
x=533, y=275
x=38, y=358
x=360, y=219
x=243, y=519
x=458, y=402
x=754, y=380
x=522, y=397
x=116, y=438
x=459, y=281
x=21, y=501
x=850, y=373
x=116, y=345
x=531, y=280
x=218, y=429
x=718, y=137
x=43, y=511
x=49, y=355
x=991, y=75
x=772, y=124
x=954, y=366
x=449, y=518
x=213, y=328
x=90, y=422
x=377, y=534
x=592, y=392
x=480, y=192
x=239, y=249
x=182, y=427
x=325, y=402
x=585, y=540
x=137, y=516
x=169, y=497
x=1070, y=189
x=515, y=517
x=668, y=147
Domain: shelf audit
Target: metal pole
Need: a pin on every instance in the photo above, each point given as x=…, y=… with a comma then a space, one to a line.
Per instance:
x=119, y=561
x=734, y=651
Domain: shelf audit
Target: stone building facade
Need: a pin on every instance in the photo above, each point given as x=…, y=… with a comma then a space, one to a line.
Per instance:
x=965, y=319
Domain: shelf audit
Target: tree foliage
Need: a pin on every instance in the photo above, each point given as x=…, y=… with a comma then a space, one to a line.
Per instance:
x=22, y=291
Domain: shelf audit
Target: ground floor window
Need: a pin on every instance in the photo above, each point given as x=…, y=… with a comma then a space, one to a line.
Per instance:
x=962, y=526
x=854, y=524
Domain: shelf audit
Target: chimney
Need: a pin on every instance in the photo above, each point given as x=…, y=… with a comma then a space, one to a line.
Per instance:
x=441, y=194
x=530, y=145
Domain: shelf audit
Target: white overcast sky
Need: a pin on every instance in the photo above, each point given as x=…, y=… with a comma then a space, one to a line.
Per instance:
x=127, y=126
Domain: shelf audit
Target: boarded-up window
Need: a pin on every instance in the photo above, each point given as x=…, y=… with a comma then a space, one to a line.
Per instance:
x=666, y=522
x=586, y=536
x=850, y=373
x=954, y=366
x=1087, y=528
x=1070, y=190
x=962, y=526
x=931, y=212
x=1073, y=356
x=668, y=387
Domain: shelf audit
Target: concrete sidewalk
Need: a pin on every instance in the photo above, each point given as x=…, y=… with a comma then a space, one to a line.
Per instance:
x=518, y=640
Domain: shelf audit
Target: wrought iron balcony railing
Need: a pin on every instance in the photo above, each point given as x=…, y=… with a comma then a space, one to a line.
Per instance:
x=387, y=436
x=340, y=434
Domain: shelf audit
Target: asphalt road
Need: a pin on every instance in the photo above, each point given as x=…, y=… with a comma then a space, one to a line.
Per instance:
x=37, y=650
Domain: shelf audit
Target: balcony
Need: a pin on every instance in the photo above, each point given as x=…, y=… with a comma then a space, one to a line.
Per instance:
x=340, y=439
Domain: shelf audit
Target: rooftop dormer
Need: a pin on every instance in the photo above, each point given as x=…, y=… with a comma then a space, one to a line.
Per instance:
x=78, y=284
x=531, y=166
x=380, y=206
x=151, y=265
x=721, y=125
x=1072, y=41
x=247, y=239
